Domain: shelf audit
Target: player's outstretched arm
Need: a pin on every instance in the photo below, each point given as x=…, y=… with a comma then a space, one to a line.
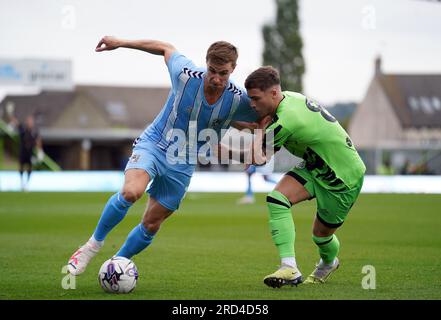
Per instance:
x=155, y=47
x=253, y=154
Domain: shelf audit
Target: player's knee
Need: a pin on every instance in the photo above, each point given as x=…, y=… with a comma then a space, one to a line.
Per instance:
x=131, y=194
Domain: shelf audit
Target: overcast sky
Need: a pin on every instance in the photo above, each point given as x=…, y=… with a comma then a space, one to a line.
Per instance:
x=341, y=38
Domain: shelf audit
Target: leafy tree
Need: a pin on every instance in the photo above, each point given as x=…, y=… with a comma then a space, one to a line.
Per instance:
x=283, y=45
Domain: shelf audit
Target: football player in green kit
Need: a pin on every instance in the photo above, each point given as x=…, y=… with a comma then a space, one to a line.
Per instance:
x=332, y=172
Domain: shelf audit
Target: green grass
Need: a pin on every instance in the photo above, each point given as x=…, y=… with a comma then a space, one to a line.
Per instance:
x=214, y=249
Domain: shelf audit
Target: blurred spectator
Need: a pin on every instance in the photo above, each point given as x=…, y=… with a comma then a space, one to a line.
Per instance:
x=29, y=139
x=421, y=168
x=386, y=168
x=406, y=168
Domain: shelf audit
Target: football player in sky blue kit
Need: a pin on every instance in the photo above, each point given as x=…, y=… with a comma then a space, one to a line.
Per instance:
x=200, y=98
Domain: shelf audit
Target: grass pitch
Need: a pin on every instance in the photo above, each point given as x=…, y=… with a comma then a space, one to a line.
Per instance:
x=214, y=249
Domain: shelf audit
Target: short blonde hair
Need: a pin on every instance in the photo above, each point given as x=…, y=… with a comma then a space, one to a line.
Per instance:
x=222, y=52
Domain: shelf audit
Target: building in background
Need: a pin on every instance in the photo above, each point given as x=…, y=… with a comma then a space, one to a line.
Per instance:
x=90, y=127
x=399, y=122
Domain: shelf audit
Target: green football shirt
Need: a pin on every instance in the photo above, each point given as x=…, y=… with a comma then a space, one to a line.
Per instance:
x=310, y=132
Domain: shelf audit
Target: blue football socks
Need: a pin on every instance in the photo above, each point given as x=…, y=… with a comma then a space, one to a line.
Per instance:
x=139, y=239
x=249, y=191
x=114, y=211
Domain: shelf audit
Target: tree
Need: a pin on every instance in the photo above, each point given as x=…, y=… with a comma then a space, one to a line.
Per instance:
x=283, y=45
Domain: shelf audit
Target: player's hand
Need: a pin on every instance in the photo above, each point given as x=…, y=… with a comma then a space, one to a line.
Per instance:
x=258, y=157
x=217, y=150
x=264, y=122
x=107, y=43
x=256, y=152
x=255, y=155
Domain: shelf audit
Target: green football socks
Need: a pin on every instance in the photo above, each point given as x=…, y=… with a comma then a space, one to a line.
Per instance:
x=328, y=247
x=281, y=223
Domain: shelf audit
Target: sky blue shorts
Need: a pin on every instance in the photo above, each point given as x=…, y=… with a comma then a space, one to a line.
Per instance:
x=168, y=182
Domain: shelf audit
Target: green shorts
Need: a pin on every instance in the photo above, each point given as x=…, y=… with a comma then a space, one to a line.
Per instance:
x=332, y=206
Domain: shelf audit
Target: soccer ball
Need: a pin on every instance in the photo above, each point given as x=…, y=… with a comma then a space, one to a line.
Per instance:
x=118, y=275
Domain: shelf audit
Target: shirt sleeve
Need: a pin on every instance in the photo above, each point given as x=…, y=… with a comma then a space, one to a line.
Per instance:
x=175, y=64
x=275, y=137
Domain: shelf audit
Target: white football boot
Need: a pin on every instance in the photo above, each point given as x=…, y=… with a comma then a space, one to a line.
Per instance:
x=80, y=259
x=322, y=272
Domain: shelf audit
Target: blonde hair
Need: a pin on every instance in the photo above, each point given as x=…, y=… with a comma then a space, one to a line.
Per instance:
x=222, y=52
